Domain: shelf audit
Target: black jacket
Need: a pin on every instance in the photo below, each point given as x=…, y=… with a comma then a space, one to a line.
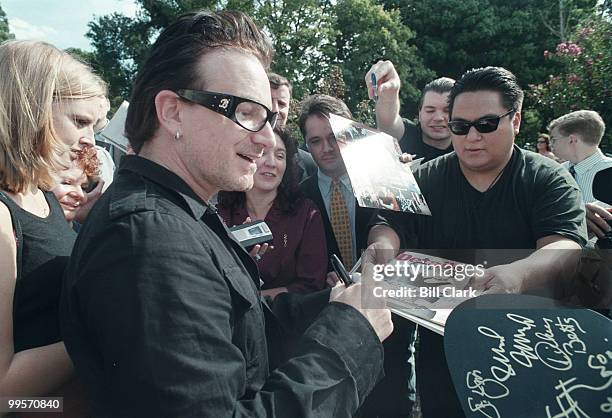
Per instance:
x=161, y=314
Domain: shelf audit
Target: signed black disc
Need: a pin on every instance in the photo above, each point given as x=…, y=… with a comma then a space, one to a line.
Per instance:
x=523, y=356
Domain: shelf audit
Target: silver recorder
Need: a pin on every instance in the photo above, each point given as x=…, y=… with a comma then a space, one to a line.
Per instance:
x=253, y=233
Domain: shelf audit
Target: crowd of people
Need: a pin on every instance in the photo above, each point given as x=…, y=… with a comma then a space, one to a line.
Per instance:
x=126, y=293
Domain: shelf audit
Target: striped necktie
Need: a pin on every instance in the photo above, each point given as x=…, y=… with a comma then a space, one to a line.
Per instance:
x=341, y=225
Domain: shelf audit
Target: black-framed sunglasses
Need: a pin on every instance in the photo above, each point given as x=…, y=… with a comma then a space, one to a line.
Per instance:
x=247, y=113
x=482, y=125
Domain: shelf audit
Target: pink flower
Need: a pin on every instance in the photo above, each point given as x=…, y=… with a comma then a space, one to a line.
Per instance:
x=546, y=53
x=574, y=49
x=568, y=48
x=589, y=61
x=562, y=48
x=585, y=32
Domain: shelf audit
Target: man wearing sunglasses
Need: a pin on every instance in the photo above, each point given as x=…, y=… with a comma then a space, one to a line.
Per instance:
x=162, y=313
x=488, y=194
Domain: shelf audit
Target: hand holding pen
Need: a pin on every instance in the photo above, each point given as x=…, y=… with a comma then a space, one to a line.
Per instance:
x=383, y=82
x=341, y=271
x=374, y=86
x=379, y=318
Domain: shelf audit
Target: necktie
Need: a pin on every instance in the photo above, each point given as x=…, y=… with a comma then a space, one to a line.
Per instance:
x=341, y=225
x=572, y=171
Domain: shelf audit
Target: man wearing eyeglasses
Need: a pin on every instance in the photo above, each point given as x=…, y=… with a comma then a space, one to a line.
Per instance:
x=161, y=311
x=488, y=194
x=575, y=137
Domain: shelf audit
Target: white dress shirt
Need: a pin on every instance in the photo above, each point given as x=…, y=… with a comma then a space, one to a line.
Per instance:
x=585, y=173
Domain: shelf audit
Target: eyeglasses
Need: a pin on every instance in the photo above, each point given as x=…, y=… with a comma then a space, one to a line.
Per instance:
x=483, y=125
x=541, y=142
x=246, y=113
x=555, y=139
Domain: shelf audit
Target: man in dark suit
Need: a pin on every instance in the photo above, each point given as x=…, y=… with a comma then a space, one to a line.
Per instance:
x=330, y=188
x=319, y=138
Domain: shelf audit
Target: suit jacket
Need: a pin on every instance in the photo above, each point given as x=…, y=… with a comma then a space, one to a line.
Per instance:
x=310, y=188
x=306, y=163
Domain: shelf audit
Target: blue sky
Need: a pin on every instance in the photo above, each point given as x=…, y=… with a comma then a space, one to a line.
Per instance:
x=62, y=23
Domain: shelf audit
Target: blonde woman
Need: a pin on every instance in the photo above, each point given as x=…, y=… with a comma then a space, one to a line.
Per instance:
x=49, y=103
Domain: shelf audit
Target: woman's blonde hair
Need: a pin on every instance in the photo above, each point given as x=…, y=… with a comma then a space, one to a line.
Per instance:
x=33, y=76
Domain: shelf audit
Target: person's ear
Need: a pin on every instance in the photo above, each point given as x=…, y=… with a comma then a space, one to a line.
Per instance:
x=168, y=109
x=516, y=123
x=573, y=139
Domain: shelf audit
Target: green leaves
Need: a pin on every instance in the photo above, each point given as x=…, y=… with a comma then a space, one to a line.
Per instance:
x=328, y=45
x=311, y=39
x=585, y=78
x=4, y=27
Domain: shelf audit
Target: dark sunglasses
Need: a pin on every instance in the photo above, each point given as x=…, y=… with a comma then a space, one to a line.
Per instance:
x=247, y=113
x=483, y=125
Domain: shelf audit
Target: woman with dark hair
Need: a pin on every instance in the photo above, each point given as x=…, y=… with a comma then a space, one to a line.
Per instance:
x=297, y=261
x=543, y=147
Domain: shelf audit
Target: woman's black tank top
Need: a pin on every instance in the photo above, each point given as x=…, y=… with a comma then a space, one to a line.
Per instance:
x=46, y=244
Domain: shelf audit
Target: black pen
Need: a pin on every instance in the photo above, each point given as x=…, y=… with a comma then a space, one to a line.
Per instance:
x=341, y=270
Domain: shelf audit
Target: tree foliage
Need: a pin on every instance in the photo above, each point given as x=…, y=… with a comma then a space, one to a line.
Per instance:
x=5, y=33
x=121, y=43
x=585, y=78
x=456, y=35
x=311, y=38
x=303, y=35
x=328, y=45
x=368, y=33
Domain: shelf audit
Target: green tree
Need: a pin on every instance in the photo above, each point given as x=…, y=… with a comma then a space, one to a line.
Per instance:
x=87, y=57
x=456, y=35
x=585, y=78
x=303, y=34
x=311, y=39
x=367, y=33
x=5, y=33
x=121, y=43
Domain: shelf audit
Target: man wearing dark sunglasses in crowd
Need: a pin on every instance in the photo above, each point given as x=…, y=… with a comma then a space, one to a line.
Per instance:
x=487, y=194
x=161, y=309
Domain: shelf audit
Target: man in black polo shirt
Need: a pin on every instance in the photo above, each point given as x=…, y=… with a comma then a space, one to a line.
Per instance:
x=488, y=194
x=161, y=309
x=431, y=137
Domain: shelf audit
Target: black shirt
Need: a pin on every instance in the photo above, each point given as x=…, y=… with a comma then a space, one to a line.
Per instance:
x=161, y=315
x=412, y=143
x=45, y=247
x=533, y=198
